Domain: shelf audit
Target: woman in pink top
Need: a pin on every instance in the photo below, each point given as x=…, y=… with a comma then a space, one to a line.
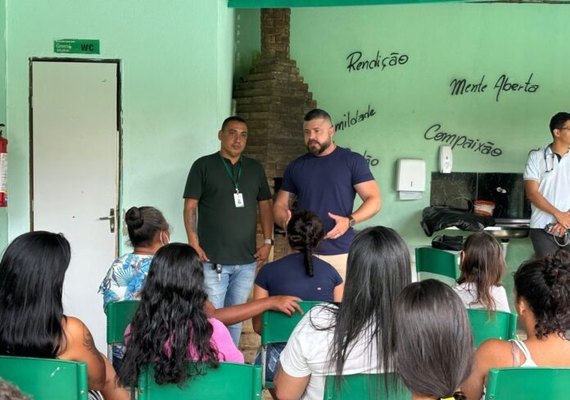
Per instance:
x=170, y=328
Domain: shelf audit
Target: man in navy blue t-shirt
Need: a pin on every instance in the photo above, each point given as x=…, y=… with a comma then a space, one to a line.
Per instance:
x=325, y=181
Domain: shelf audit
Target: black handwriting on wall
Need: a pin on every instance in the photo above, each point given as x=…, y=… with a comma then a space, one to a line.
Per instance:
x=349, y=119
x=371, y=160
x=454, y=140
x=356, y=61
x=503, y=84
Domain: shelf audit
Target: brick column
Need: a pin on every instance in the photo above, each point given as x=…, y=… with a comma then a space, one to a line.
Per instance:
x=273, y=99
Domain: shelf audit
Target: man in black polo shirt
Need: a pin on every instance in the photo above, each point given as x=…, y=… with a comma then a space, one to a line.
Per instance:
x=222, y=194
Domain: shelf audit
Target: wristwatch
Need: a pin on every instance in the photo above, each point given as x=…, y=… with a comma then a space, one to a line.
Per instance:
x=351, y=221
x=269, y=241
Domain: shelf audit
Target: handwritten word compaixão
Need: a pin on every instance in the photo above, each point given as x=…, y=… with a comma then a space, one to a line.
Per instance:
x=435, y=133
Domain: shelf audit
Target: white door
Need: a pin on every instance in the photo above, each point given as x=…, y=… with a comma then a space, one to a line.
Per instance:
x=75, y=148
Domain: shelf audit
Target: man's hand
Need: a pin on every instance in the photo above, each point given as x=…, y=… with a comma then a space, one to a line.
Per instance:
x=288, y=219
x=557, y=230
x=262, y=254
x=282, y=208
x=563, y=219
x=200, y=251
x=340, y=228
x=285, y=304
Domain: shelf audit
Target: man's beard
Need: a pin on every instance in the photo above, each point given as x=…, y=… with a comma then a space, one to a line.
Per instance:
x=318, y=150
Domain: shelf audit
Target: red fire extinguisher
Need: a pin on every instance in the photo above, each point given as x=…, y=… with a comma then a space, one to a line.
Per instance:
x=3, y=169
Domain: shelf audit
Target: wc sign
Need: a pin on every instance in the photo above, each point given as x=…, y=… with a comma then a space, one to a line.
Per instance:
x=76, y=46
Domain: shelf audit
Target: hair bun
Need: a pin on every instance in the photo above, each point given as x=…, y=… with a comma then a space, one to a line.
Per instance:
x=134, y=218
x=557, y=269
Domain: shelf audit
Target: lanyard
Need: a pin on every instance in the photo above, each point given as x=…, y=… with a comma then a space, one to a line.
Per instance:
x=235, y=180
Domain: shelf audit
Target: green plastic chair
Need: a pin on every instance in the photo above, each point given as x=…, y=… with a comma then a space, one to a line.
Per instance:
x=438, y=262
x=276, y=327
x=366, y=386
x=535, y=383
x=496, y=325
x=46, y=379
x=228, y=381
x=119, y=316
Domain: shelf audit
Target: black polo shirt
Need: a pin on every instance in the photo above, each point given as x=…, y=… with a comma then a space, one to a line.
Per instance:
x=227, y=232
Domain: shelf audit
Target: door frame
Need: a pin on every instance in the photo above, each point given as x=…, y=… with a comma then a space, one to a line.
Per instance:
x=118, y=202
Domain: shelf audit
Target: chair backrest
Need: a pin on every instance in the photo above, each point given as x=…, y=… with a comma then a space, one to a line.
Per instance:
x=366, y=386
x=528, y=383
x=228, y=381
x=276, y=327
x=495, y=325
x=46, y=379
x=119, y=316
x=438, y=262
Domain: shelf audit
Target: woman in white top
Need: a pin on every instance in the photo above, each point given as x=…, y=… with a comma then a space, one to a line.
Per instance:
x=542, y=289
x=482, y=270
x=355, y=336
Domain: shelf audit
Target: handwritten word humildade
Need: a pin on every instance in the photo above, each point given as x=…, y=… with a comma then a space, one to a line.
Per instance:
x=349, y=119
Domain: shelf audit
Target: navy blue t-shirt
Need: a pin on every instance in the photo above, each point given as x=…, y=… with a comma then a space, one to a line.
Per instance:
x=287, y=276
x=326, y=184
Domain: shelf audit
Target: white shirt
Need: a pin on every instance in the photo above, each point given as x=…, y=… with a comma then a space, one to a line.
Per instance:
x=554, y=185
x=307, y=353
x=467, y=291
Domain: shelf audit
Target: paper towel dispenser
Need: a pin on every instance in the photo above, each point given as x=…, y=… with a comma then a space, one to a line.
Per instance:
x=411, y=178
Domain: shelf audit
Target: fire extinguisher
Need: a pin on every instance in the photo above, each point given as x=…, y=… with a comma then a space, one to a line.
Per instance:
x=3, y=168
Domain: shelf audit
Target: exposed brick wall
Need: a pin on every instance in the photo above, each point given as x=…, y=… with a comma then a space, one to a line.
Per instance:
x=273, y=98
x=275, y=30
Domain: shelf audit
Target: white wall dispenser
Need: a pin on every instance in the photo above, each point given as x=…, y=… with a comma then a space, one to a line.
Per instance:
x=411, y=179
x=445, y=159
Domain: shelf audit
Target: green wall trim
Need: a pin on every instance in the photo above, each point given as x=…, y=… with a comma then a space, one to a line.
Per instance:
x=323, y=3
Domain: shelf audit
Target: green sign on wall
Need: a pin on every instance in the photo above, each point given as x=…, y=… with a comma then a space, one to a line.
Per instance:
x=76, y=46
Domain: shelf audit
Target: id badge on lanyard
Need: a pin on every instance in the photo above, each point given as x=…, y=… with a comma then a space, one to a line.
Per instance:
x=238, y=199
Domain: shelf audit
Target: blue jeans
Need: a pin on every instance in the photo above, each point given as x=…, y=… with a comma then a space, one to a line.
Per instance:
x=272, y=358
x=231, y=287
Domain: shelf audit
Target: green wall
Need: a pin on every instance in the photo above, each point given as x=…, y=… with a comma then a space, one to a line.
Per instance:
x=247, y=41
x=3, y=211
x=177, y=66
x=442, y=42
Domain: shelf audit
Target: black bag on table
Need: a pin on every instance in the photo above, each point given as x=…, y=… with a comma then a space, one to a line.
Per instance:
x=448, y=242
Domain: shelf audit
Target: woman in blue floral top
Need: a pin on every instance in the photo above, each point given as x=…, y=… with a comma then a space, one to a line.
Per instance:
x=148, y=231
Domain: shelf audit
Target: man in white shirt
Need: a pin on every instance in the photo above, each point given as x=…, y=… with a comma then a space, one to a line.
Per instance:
x=547, y=186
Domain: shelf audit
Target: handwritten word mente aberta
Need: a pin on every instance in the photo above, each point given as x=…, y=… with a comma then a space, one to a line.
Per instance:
x=460, y=87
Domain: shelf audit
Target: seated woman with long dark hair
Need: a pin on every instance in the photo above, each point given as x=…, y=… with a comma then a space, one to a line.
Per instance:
x=355, y=336
x=433, y=341
x=542, y=300
x=170, y=327
x=32, y=322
